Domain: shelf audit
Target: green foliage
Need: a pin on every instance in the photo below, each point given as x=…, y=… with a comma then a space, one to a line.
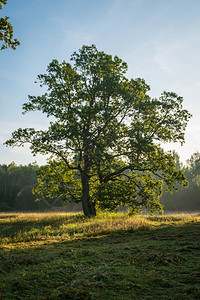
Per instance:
x=106, y=134
x=138, y=192
x=6, y=32
x=57, y=181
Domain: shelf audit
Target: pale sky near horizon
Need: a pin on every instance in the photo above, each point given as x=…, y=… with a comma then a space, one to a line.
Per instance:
x=159, y=39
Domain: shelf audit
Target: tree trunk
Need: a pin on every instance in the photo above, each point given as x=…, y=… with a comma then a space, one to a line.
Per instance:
x=88, y=206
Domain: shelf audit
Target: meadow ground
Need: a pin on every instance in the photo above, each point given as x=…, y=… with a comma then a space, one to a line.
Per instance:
x=113, y=256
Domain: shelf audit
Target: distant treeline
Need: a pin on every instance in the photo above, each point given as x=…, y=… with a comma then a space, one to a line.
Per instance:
x=16, y=184
x=185, y=199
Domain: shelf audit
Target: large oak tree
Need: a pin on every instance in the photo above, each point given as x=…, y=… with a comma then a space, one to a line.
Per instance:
x=105, y=139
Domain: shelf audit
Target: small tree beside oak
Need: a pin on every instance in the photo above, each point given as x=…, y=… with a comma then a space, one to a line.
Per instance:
x=105, y=140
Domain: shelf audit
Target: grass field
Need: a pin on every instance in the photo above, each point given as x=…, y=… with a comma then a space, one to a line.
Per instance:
x=113, y=256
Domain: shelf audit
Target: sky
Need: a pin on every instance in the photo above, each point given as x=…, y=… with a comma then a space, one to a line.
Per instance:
x=159, y=40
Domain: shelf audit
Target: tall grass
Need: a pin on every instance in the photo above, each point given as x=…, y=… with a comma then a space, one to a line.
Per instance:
x=32, y=227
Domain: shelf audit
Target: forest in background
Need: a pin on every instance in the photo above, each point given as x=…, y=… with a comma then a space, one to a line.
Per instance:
x=17, y=182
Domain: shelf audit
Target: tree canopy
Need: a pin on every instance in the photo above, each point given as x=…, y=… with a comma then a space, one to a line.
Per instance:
x=105, y=139
x=6, y=32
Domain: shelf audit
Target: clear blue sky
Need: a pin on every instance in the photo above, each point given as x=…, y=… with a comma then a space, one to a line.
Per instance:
x=159, y=39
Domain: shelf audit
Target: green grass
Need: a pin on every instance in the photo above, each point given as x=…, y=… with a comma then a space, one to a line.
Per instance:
x=113, y=256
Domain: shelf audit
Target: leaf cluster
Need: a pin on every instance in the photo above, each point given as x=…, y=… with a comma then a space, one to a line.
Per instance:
x=6, y=32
